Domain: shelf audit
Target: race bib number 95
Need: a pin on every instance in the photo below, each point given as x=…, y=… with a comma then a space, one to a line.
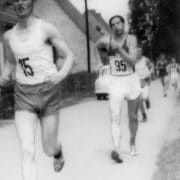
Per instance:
x=119, y=66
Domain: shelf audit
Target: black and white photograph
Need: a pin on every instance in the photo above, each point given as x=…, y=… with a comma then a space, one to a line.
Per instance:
x=90, y=89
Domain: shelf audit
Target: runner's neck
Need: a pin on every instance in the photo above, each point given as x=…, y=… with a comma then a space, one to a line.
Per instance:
x=119, y=38
x=25, y=23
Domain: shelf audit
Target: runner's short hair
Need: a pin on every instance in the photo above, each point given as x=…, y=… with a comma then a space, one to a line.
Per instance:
x=116, y=16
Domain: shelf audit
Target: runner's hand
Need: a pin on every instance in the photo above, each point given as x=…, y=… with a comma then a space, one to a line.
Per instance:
x=102, y=45
x=114, y=44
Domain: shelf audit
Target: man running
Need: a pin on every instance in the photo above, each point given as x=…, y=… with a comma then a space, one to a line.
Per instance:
x=161, y=67
x=173, y=70
x=37, y=93
x=121, y=49
x=144, y=69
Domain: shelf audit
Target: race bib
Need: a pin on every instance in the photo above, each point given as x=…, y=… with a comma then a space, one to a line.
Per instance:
x=26, y=68
x=119, y=67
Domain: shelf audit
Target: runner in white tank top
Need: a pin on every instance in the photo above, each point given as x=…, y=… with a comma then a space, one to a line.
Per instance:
x=121, y=49
x=29, y=52
x=34, y=57
x=173, y=70
x=144, y=68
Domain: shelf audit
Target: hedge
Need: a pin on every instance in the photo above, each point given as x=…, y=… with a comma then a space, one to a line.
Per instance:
x=75, y=87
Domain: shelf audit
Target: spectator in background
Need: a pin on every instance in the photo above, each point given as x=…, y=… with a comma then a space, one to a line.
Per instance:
x=144, y=69
x=173, y=70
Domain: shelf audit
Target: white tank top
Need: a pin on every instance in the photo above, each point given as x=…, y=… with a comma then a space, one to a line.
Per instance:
x=173, y=68
x=34, y=56
x=141, y=68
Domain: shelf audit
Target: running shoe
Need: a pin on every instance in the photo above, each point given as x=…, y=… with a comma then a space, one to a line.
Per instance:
x=115, y=156
x=58, y=162
x=133, y=151
x=148, y=105
x=144, y=116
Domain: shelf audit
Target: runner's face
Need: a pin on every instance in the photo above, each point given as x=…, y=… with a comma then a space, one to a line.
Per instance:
x=162, y=56
x=23, y=8
x=117, y=26
x=173, y=60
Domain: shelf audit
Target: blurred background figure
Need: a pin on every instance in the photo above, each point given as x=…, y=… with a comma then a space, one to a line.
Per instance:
x=173, y=70
x=144, y=69
x=162, y=72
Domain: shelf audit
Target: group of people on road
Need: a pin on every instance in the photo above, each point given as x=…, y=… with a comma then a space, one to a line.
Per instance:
x=30, y=55
x=167, y=69
x=130, y=77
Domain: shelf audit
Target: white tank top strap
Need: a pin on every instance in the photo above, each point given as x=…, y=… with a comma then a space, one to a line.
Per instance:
x=34, y=56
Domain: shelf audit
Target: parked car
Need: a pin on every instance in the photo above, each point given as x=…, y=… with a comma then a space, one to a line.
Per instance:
x=101, y=83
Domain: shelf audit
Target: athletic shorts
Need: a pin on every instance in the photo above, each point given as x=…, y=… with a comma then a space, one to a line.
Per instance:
x=174, y=77
x=127, y=87
x=145, y=92
x=162, y=73
x=42, y=99
x=145, y=83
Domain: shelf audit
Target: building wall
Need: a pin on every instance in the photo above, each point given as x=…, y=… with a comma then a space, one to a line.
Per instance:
x=77, y=17
x=1, y=52
x=74, y=37
x=94, y=22
x=1, y=57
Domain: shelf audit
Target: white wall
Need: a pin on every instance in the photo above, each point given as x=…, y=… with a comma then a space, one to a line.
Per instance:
x=74, y=37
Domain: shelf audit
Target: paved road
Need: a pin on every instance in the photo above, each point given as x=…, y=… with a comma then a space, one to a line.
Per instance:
x=85, y=135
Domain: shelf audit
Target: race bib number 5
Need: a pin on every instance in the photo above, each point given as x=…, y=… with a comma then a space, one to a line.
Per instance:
x=27, y=69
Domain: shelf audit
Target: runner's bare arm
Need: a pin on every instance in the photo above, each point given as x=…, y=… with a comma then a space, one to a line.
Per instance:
x=178, y=68
x=98, y=58
x=62, y=50
x=168, y=67
x=150, y=65
x=9, y=60
x=157, y=65
x=131, y=56
x=102, y=47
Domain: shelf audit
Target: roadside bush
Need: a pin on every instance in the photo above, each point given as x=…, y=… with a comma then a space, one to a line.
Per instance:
x=73, y=89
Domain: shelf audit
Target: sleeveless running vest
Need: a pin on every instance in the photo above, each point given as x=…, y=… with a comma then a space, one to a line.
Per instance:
x=173, y=68
x=34, y=56
x=118, y=66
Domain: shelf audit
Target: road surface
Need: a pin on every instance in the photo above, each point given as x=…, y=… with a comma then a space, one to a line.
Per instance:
x=86, y=140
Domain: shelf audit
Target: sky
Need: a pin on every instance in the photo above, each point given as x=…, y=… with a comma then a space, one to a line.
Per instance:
x=107, y=8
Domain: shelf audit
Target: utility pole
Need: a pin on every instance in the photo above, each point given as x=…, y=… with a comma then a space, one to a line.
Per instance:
x=87, y=38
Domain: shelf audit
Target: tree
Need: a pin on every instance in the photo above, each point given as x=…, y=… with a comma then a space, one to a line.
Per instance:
x=156, y=24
